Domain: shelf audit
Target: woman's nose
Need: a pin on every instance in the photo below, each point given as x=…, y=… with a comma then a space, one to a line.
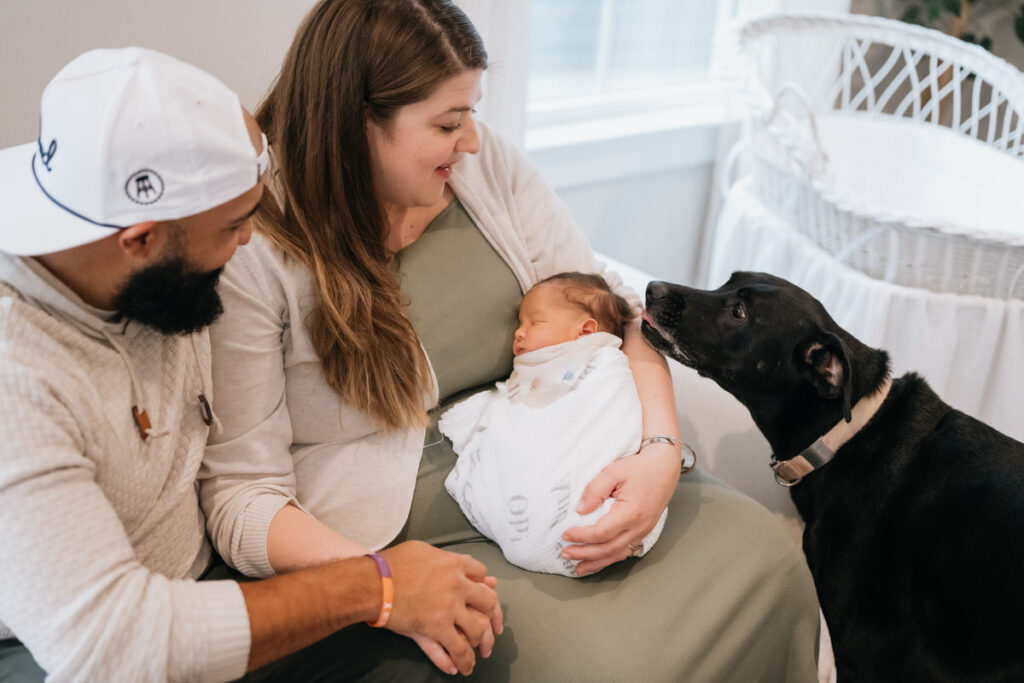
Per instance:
x=469, y=142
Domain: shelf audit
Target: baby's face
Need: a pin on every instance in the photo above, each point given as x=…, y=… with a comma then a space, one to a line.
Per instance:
x=546, y=318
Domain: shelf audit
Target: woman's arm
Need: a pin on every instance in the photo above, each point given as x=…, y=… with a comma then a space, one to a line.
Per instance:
x=519, y=210
x=510, y=192
x=642, y=484
x=247, y=482
x=296, y=540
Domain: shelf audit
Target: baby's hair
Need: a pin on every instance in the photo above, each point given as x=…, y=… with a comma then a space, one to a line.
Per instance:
x=593, y=295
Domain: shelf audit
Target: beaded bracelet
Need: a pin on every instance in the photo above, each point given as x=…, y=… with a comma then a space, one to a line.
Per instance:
x=686, y=452
x=387, y=587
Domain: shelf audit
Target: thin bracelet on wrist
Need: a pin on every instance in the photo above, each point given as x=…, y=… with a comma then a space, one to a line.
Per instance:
x=387, y=589
x=686, y=452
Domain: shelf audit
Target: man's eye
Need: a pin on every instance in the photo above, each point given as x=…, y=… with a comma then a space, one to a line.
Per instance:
x=739, y=311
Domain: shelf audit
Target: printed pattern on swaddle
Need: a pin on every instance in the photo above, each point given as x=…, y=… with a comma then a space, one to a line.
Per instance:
x=528, y=447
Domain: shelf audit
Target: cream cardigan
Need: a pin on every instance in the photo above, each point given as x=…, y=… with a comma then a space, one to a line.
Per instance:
x=284, y=433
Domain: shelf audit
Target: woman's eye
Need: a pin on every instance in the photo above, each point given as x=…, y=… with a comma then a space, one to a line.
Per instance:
x=739, y=311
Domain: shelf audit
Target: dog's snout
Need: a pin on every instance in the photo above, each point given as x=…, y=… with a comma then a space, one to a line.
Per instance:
x=657, y=290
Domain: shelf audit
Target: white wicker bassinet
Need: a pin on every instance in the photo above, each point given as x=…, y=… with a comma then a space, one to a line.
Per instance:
x=896, y=149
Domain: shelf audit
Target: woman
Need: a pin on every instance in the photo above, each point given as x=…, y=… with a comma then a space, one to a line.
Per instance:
x=395, y=244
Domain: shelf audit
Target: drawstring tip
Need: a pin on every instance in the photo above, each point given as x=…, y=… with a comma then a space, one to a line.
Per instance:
x=205, y=410
x=142, y=421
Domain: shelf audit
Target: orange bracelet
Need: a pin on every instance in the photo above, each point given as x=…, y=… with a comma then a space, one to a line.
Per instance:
x=387, y=588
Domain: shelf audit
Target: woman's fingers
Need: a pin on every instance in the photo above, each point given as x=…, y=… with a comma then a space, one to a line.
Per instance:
x=498, y=620
x=600, y=487
x=459, y=650
x=435, y=653
x=621, y=517
x=641, y=485
x=608, y=541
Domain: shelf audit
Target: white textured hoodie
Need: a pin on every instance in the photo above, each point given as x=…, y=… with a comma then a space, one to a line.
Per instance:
x=101, y=534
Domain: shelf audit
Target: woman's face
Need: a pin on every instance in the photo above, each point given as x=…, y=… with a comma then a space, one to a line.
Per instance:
x=413, y=154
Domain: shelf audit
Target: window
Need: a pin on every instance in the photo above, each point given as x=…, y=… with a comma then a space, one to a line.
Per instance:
x=587, y=48
x=591, y=58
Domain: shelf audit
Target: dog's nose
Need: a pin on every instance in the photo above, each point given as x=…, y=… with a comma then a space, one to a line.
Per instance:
x=656, y=290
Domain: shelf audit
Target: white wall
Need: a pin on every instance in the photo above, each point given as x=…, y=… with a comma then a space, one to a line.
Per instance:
x=242, y=42
x=652, y=222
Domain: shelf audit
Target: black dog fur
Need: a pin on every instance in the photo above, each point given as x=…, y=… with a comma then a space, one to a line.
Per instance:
x=915, y=529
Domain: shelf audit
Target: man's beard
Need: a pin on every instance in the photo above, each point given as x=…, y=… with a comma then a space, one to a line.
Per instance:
x=170, y=297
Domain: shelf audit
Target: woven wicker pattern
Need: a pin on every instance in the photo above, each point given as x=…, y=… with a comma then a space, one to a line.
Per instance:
x=885, y=70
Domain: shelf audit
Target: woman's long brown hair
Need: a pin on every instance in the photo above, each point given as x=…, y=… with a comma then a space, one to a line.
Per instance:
x=353, y=59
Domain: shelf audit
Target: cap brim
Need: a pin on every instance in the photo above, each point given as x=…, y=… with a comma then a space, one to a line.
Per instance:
x=31, y=223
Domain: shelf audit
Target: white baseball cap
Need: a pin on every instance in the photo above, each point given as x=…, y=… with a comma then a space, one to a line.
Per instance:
x=125, y=136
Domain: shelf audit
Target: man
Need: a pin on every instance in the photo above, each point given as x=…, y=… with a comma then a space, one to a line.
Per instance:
x=115, y=226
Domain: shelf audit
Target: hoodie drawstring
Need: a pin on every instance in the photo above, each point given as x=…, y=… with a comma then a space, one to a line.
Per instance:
x=205, y=409
x=142, y=420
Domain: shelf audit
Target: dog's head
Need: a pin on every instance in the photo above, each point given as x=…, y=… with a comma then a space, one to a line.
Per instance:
x=763, y=339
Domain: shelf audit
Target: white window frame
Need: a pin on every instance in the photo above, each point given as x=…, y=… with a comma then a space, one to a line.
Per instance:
x=601, y=138
x=611, y=106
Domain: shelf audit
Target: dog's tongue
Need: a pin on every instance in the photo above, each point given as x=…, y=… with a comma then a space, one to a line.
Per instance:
x=646, y=316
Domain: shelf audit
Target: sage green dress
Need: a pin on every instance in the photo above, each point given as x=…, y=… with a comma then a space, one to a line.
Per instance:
x=724, y=595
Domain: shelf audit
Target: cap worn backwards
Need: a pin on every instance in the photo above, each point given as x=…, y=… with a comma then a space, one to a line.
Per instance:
x=125, y=136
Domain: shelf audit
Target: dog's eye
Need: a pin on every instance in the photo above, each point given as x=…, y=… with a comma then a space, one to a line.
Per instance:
x=739, y=311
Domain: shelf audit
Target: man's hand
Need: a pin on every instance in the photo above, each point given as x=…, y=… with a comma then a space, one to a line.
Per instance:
x=445, y=602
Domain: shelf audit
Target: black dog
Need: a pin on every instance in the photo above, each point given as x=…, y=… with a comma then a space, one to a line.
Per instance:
x=914, y=527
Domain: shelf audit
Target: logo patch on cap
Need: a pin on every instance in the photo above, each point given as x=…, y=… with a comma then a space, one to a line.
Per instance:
x=144, y=187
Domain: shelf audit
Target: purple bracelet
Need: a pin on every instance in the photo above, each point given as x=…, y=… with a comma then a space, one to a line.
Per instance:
x=387, y=590
x=382, y=564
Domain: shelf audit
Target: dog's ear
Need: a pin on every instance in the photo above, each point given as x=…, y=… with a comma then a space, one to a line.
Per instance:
x=823, y=361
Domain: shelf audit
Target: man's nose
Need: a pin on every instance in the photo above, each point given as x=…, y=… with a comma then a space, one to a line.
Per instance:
x=245, y=233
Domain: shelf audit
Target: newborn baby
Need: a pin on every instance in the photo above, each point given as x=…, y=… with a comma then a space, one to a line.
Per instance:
x=528, y=447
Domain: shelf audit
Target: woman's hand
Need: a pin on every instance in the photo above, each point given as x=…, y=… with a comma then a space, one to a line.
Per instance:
x=642, y=485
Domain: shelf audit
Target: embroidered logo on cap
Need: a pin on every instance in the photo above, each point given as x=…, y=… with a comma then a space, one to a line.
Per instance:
x=46, y=155
x=144, y=187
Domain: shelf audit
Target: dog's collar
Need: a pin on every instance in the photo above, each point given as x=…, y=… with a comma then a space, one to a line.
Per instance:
x=818, y=454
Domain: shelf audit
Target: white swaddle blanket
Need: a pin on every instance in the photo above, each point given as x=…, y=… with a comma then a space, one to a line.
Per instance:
x=528, y=447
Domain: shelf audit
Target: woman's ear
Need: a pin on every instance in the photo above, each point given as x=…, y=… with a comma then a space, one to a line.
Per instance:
x=139, y=241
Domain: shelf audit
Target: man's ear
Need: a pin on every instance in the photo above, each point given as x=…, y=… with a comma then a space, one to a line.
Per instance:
x=589, y=326
x=823, y=361
x=139, y=240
